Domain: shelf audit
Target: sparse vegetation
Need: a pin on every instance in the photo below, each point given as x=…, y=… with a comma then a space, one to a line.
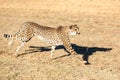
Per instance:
x=100, y=30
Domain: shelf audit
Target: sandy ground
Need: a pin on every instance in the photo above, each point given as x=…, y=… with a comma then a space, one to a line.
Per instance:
x=99, y=23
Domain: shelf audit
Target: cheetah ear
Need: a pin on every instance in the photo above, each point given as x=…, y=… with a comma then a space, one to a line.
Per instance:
x=71, y=27
x=75, y=24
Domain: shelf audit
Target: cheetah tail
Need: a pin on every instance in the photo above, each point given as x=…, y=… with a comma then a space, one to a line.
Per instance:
x=7, y=35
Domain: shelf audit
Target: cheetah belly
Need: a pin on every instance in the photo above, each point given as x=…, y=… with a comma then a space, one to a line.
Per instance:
x=53, y=41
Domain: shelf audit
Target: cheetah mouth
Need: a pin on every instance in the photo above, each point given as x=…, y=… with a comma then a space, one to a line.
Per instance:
x=74, y=33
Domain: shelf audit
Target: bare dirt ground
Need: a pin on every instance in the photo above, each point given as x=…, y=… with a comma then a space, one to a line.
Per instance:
x=99, y=23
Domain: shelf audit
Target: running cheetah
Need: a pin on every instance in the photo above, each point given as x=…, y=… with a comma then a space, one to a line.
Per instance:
x=55, y=36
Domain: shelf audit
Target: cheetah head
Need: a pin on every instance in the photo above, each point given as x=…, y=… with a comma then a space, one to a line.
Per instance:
x=74, y=30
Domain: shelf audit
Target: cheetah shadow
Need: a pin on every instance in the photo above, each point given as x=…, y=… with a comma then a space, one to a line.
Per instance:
x=88, y=51
x=82, y=50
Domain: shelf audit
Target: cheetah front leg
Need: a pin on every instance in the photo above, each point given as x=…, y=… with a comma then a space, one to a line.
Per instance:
x=68, y=46
x=69, y=49
x=52, y=51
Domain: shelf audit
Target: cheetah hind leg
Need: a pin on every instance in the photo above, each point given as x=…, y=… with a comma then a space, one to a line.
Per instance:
x=52, y=51
x=18, y=48
x=11, y=42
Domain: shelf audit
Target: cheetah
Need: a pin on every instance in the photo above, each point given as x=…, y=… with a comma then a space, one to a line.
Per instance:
x=54, y=36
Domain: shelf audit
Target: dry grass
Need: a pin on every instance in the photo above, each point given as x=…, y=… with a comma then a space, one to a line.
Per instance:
x=99, y=26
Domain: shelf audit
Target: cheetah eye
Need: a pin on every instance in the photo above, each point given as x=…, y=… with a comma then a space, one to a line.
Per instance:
x=75, y=29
